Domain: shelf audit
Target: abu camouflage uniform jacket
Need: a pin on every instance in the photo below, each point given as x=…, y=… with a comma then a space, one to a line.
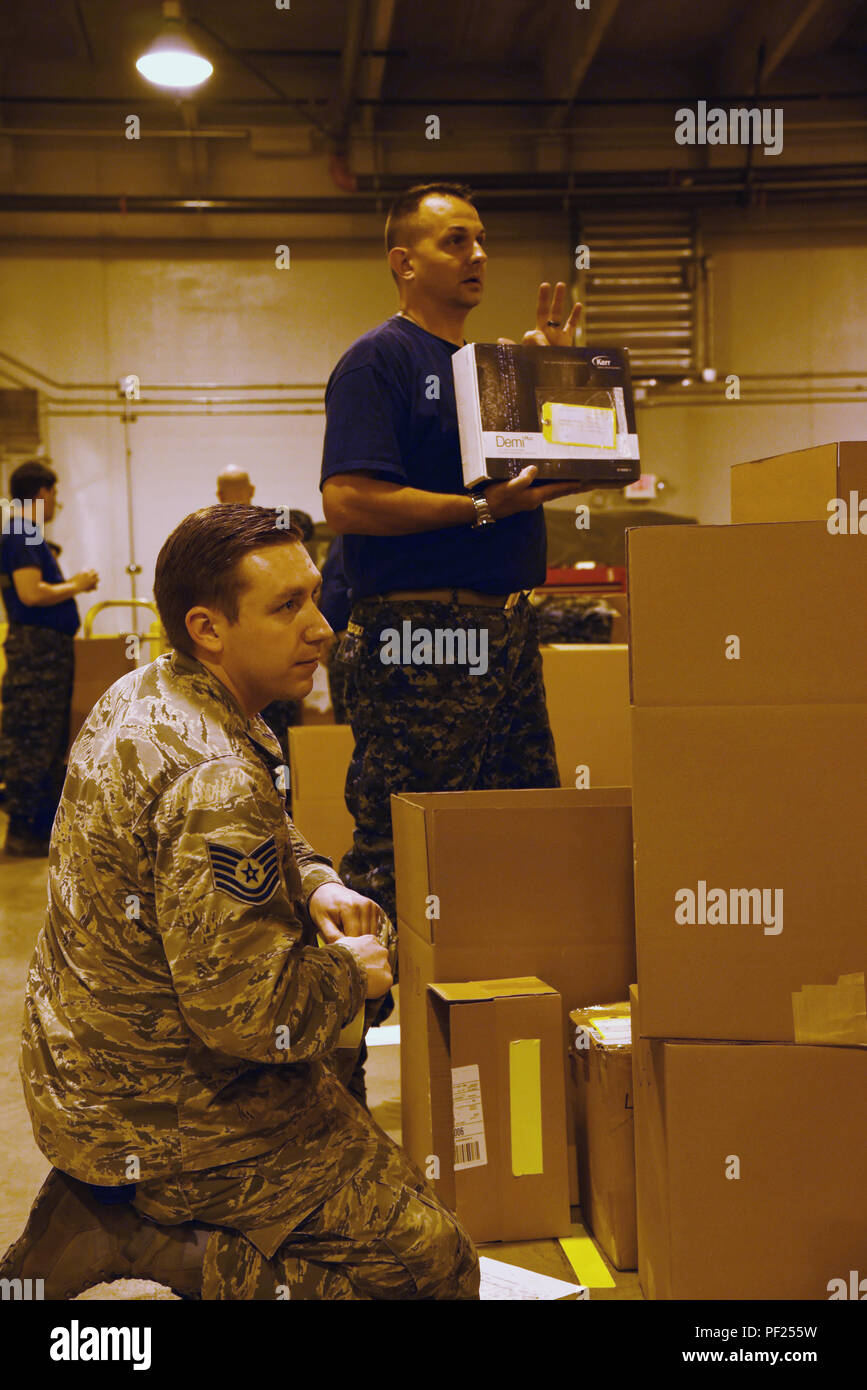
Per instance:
x=178, y=1010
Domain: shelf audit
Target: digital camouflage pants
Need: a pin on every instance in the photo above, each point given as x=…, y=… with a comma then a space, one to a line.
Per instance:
x=338, y=675
x=438, y=727
x=383, y=1234
x=34, y=735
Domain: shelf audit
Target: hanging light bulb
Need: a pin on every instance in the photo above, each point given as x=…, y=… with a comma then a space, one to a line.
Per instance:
x=172, y=59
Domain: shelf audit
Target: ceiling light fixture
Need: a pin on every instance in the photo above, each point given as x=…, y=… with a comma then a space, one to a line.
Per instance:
x=173, y=59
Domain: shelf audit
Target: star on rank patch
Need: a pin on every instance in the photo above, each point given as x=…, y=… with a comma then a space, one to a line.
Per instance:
x=248, y=878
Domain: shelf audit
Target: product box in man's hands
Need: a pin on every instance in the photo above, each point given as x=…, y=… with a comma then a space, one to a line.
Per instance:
x=568, y=410
x=499, y=1107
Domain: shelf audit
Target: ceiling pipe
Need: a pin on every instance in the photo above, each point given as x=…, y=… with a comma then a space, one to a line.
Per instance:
x=493, y=193
x=350, y=64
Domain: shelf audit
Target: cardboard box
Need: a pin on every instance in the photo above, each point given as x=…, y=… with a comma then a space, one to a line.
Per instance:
x=789, y=1121
x=318, y=762
x=798, y=486
x=620, y=626
x=524, y=883
x=601, y=1066
x=498, y=1105
x=99, y=662
x=747, y=798
x=587, y=693
x=793, y=595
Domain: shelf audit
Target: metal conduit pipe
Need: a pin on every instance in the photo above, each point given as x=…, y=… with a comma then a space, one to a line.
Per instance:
x=501, y=192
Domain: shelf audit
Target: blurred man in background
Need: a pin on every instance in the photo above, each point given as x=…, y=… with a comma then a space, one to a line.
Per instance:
x=233, y=485
x=37, y=685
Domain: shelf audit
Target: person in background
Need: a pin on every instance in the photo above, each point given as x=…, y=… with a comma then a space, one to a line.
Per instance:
x=37, y=684
x=233, y=485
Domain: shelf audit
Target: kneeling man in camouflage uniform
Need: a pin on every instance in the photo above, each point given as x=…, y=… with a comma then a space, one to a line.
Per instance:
x=182, y=1021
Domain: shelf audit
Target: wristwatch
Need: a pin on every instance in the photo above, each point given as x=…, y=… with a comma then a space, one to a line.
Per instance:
x=483, y=511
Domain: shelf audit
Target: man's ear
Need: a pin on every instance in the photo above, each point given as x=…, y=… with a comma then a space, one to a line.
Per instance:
x=200, y=626
x=400, y=263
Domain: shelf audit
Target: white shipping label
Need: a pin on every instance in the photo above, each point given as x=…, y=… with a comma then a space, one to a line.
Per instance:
x=590, y=425
x=470, y=1151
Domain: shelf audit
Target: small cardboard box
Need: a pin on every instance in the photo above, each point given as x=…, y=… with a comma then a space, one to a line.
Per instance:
x=750, y=871
x=587, y=692
x=499, y=1110
x=508, y=883
x=601, y=1063
x=749, y=615
x=751, y=1168
x=799, y=486
x=318, y=761
x=99, y=662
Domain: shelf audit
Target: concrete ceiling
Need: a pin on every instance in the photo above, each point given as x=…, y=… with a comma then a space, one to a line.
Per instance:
x=328, y=99
x=525, y=51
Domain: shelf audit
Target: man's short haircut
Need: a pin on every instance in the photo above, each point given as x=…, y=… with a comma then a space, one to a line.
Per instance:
x=198, y=564
x=399, y=224
x=28, y=478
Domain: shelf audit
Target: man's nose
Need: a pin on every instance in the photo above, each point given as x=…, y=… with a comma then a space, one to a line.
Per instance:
x=320, y=629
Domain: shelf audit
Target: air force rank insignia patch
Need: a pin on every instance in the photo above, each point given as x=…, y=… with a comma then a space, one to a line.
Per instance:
x=248, y=878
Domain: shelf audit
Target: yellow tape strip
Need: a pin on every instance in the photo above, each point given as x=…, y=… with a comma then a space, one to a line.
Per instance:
x=586, y=1262
x=525, y=1104
x=832, y=1013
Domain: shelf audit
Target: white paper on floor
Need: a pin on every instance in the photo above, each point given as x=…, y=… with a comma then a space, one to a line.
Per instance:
x=511, y=1282
x=383, y=1037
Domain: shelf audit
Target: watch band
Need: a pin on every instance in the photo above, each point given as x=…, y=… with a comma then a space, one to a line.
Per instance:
x=483, y=511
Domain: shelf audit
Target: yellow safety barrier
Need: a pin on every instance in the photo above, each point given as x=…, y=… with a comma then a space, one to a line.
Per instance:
x=155, y=634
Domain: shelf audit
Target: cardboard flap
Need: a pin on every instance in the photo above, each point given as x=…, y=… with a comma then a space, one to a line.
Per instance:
x=475, y=991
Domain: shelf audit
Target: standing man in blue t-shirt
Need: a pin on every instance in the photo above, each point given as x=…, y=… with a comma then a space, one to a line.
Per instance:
x=418, y=549
x=37, y=683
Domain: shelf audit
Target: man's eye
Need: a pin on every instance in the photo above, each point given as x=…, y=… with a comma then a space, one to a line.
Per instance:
x=292, y=603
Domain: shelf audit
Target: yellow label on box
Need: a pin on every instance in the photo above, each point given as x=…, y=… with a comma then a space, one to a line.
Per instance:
x=585, y=426
x=525, y=1105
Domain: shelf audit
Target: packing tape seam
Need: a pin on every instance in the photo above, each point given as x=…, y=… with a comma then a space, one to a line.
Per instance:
x=831, y=1014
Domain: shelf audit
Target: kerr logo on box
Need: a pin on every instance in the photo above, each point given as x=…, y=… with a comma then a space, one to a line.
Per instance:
x=733, y=906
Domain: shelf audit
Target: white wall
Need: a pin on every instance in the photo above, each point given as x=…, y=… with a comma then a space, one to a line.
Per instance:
x=791, y=299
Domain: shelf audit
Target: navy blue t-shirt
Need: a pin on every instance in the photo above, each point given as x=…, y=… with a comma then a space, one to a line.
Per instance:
x=383, y=417
x=335, y=601
x=17, y=554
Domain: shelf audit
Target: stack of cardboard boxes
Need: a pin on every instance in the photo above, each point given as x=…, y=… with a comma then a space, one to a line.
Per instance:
x=749, y=693
x=493, y=888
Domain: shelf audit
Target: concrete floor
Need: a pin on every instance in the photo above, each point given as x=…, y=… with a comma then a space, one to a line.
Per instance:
x=23, y=1168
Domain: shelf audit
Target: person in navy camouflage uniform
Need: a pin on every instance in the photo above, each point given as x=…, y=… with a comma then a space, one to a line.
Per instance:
x=36, y=693
x=415, y=549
